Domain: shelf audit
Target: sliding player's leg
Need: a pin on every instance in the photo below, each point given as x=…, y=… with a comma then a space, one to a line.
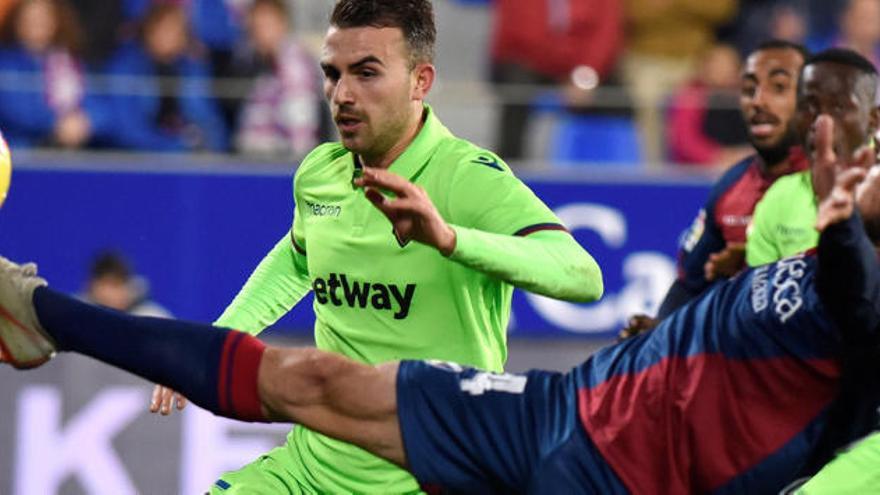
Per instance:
x=227, y=372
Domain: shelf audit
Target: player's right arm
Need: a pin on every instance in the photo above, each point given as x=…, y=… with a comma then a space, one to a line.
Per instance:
x=280, y=280
x=848, y=278
x=276, y=285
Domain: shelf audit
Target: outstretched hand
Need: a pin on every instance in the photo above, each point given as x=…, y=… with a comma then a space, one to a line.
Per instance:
x=410, y=211
x=637, y=325
x=727, y=262
x=835, y=181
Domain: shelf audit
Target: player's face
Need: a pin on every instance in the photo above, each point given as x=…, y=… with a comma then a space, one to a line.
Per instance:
x=768, y=97
x=372, y=89
x=838, y=91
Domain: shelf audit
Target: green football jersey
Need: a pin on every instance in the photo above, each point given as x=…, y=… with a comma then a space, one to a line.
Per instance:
x=784, y=222
x=379, y=299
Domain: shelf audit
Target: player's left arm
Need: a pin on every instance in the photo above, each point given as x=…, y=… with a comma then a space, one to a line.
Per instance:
x=503, y=230
x=848, y=278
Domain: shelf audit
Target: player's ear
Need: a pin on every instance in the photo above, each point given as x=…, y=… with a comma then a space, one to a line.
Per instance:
x=874, y=120
x=423, y=79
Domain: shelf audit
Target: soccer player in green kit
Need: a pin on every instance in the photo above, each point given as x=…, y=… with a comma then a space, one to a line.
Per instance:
x=411, y=239
x=785, y=218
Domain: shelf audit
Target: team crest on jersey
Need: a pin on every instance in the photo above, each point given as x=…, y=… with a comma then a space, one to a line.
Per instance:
x=695, y=232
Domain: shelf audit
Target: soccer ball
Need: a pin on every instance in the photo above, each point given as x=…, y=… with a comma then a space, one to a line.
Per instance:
x=5, y=169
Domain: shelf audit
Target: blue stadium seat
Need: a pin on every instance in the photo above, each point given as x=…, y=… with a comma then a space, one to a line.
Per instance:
x=595, y=139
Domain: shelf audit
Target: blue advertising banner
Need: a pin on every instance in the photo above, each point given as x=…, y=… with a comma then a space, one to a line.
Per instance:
x=196, y=233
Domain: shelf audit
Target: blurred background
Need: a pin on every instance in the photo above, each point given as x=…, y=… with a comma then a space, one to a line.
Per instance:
x=154, y=145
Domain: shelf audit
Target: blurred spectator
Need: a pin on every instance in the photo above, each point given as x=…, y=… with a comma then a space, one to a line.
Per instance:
x=860, y=29
x=282, y=116
x=112, y=284
x=42, y=93
x=216, y=24
x=759, y=20
x=550, y=43
x=103, y=20
x=160, y=90
x=664, y=40
x=704, y=125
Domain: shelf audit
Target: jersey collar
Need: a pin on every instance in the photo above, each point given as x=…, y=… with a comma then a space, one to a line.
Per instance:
x=416, y=155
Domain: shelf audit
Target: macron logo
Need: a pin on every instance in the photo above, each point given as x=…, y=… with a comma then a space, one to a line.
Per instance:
x=338, y=290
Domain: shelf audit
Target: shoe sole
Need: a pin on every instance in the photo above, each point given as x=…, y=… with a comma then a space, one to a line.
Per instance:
x=31, y=352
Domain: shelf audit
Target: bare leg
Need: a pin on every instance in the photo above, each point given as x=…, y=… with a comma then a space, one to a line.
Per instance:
x=335, y=396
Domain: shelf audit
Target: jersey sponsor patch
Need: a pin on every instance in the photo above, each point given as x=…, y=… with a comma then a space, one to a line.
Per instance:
x=320, y=210
x=337, y=289
x=782, y=289
x=787, y=295
x=695, y=232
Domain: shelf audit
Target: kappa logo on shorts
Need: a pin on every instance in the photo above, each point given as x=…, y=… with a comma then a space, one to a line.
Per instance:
x=381, y=296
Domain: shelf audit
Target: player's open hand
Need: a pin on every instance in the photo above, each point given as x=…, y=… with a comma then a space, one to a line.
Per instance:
x=410, y=211
x=162, y=399
x=835, y=180
x=727, y=262
x=637, y=325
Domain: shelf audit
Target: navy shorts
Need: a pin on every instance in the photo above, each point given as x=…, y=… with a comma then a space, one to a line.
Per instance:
x=478, y=432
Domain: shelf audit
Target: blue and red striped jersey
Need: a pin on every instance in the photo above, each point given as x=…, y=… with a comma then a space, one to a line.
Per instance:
x=722, y=220
x=731, y=393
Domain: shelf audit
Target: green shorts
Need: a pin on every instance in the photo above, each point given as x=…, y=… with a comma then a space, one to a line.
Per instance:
x=312, y=463
x=856, y=470
x=265, y=476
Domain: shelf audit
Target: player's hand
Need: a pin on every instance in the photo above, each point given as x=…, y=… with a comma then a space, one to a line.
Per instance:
x=637, y=325
x=411, y=211
x=834, y=181
x=162, y=400
x=727, y=262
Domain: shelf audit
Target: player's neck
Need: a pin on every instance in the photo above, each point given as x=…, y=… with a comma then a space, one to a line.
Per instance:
x=412, y=130
x=777, y=168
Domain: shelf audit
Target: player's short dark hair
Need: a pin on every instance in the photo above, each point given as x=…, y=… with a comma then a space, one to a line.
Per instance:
x=110, y=264
x=414, y=17
x=850, y=58
x=844, y=56
x=778, y=44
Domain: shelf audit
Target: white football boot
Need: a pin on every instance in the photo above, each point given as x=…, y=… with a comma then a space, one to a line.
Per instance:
x=23, y=342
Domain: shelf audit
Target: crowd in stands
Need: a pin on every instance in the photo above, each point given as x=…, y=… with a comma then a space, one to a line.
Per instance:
x=202, y=75
x=670, y=68
x=646, y=81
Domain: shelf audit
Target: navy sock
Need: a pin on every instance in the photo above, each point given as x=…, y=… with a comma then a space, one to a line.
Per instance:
x=197, y=360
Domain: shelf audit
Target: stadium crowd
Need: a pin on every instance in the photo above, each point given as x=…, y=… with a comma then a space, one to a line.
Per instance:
x=655, y=81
